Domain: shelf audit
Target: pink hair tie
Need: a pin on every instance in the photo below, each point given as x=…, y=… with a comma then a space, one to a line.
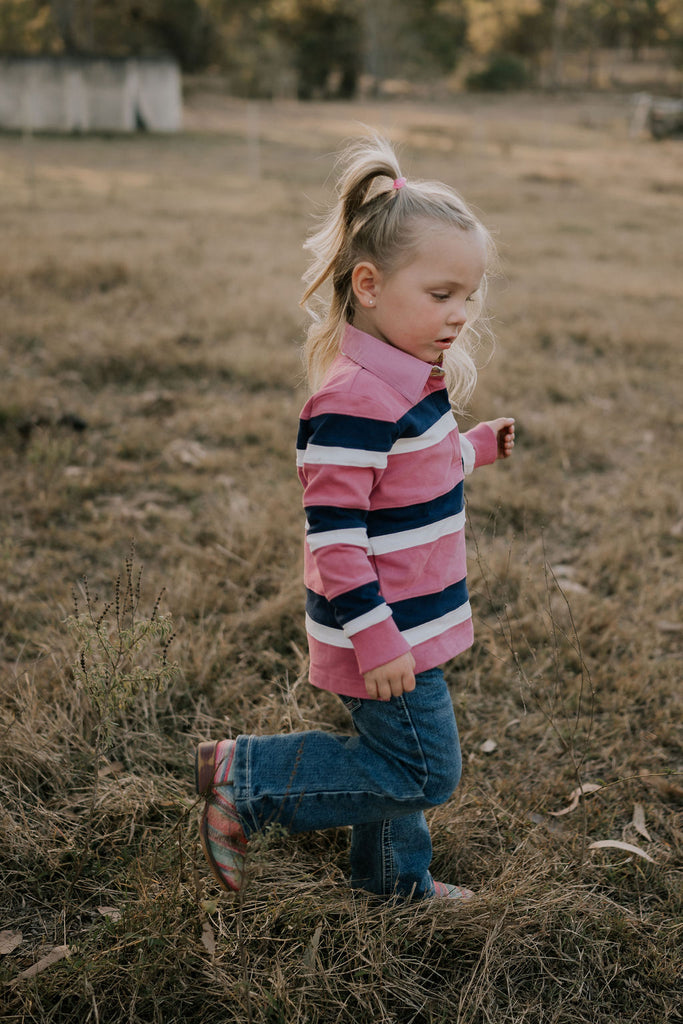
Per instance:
x=399, y=182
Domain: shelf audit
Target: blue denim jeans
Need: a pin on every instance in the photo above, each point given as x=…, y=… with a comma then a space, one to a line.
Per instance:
x=403, y=759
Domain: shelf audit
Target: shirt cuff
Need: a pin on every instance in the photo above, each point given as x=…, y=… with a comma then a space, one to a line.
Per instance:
x=378, y=644
x=485, y=443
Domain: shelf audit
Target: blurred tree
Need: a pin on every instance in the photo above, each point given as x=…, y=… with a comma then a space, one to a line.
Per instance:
x=491, y=23
x=637, y=23
x=181, y=27
x=437, y=31
x=21, y=24
x=418, y=40
x=64, y=17
x=585, y=25
x=503, y=72
x=326, y=44
x=251, y=51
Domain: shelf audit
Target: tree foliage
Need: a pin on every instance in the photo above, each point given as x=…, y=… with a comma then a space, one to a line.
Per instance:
x=325, y=45
x=117, y=27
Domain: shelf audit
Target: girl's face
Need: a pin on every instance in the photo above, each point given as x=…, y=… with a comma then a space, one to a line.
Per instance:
x=421, y=307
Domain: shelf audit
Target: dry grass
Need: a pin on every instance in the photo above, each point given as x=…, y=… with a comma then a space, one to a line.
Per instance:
x=150, y=290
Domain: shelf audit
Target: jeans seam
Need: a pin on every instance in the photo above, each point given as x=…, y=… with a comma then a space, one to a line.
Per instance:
x=387, y=856
x=246, y=785
x=416, y=739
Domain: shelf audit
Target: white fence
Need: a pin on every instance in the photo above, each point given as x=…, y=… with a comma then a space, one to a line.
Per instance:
x=79, y=94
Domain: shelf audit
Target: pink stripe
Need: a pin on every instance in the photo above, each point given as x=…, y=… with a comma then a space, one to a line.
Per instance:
x=442, y=648
x=402, y=574
x=420, y=476
x=426, y=569
x=342, y=567
x=410, y=478
x=223, y=822
x=225, y=751
x=341, y=487
x=336, y=668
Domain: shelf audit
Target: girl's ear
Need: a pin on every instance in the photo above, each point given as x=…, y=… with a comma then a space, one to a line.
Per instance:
x=365, y=281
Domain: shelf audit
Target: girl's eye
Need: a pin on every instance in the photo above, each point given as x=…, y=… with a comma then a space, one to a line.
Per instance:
x=440, y=296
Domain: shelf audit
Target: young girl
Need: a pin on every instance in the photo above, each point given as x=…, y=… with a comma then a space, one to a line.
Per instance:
x=382, y=466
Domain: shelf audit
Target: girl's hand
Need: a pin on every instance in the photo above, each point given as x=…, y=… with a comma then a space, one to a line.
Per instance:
x=392, y=679
x=504, y=429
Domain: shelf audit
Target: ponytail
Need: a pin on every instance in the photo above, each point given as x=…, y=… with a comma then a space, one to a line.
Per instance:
x=368, y=166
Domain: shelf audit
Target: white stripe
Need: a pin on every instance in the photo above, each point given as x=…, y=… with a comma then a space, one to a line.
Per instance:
x=387, y=542
x=326, y=634
x=356, y=536
x=436, y=433
x=417, y=635
x=468, y=454
x=377, y=614
x=428, y=630
x=321, y=455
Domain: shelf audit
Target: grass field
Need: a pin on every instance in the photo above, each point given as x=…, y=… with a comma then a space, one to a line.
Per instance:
x=149, y=390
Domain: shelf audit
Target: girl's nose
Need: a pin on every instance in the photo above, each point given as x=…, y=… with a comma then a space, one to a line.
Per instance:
x=457, y=313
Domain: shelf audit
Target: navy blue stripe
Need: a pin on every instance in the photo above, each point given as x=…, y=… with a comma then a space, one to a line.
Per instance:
x=424, y=415
x=410, y=517
x=414, y=611
x=417, y=610
x=344, y=607
x=335, y=430
x=382, y=521
x=322, y=518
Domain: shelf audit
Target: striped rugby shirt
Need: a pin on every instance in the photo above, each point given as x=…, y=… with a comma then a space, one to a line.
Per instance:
x=382, y=465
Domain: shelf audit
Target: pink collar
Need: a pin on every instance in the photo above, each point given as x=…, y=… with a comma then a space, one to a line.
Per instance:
x=402, y=371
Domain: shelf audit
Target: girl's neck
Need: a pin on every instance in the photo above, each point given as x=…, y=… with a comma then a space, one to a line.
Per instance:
x=361, y=321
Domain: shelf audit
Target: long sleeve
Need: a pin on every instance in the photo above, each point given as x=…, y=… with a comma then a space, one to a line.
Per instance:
x=479, y=447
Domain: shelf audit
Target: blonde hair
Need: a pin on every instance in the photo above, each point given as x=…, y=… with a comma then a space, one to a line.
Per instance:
x=374, y=220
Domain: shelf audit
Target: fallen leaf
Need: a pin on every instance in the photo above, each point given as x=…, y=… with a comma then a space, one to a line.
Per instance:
x=208, y=940
x=53, y=957
x=575, y=796
x=639, y=822
x=564, y=577
x=186, y=452
x=488, y=746
x=677, y=529
x=616, y=844
x=312, y=948
x=572, y=587
x=553, y=826
x=9, y=941
x=111, y=912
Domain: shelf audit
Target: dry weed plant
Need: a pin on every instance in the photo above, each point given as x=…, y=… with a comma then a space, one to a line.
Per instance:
x=122, y=654
x=150, y=387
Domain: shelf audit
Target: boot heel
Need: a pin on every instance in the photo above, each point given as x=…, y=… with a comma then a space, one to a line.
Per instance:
x=204, y=768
